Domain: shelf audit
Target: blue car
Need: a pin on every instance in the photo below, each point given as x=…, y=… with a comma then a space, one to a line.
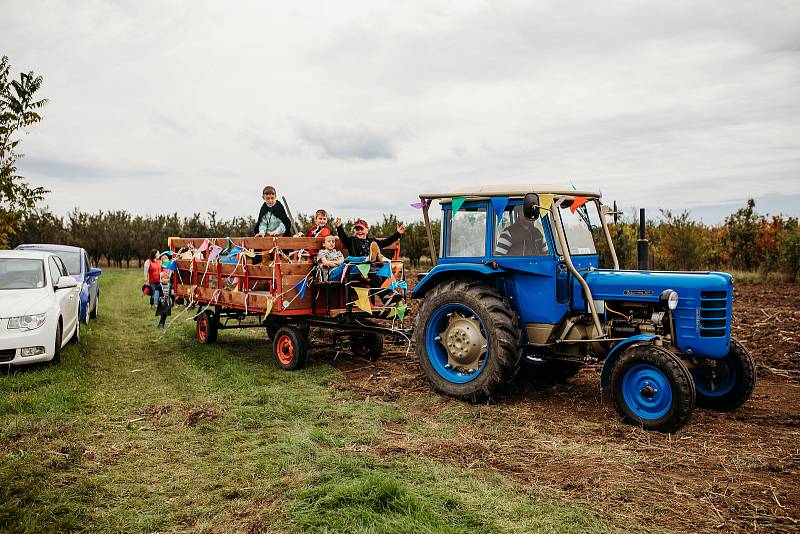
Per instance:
x=77, y=262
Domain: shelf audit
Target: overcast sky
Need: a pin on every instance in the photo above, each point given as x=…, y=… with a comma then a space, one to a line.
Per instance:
x=357, y=107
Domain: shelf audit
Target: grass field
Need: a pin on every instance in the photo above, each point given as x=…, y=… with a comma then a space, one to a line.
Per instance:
x=136, y=431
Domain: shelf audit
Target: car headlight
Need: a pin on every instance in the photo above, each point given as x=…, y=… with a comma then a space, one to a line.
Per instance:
x=669, y=299
x=27, y=322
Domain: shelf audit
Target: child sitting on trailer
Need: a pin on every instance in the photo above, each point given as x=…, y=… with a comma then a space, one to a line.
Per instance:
x=328, y=258
x=320, y=229
x=165, y=300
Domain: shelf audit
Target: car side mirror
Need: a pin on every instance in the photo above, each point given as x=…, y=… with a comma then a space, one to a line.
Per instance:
x=94, y=271
x=530, y=206
x=66, y=282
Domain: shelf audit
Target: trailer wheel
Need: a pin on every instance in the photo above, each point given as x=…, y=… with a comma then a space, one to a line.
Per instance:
x=727, y=383
x=468, y=342
x=207, y=327
x=289, y=348
x=652, y=387
x=367, y=345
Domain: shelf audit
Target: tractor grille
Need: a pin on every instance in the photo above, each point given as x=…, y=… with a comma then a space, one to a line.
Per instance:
x=713, y=313
x=6, y=355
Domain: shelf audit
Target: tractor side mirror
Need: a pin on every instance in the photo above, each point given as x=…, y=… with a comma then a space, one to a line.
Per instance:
x=530, y=206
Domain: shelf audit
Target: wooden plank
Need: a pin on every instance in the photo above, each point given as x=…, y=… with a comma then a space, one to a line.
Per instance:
x=227, y=269
x=257, y=243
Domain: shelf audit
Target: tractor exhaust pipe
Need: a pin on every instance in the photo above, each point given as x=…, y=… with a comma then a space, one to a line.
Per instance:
x=641, y=244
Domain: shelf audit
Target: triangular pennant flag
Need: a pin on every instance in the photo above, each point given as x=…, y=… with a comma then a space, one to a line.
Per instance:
x=577, y=203
x=545, y=201
x=268, y=307
x=301, y=288
x=499, y=205
x=215, y=252
x=457, y=202
x=385, y=271
x=400, y=310
x=204, y=246
x=386, y=283
x=363, y=298
x=363, y=268
x=421, y=204
x=171, y=265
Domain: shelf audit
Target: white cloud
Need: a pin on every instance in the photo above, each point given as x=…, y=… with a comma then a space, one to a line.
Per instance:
x=359, y=106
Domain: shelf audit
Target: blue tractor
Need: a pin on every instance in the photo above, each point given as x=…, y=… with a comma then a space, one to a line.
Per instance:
x=516, y=284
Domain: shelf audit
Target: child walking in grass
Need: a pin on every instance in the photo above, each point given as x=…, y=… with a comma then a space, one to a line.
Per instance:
x=166, y=298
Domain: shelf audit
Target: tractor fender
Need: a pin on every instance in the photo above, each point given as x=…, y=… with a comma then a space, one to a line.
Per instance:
x=613, y=354
x=446, y=271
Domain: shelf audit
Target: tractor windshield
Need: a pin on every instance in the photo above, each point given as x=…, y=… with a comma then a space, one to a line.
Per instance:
x=580, y=227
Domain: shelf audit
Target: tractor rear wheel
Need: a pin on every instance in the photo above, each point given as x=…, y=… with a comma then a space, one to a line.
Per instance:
x=468, y=342
x=652, y=387
x=207, y=327
x=727, y=383
x=289, y=348
x=367, y=345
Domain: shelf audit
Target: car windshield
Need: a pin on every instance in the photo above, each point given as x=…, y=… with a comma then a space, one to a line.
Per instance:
x=21, y=273
x=72, y=260
x=579, y=227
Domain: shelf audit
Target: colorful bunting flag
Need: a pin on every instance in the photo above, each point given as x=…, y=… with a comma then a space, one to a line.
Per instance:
x=499, y=205
x=363, y=299
x=385, y=271
x=268, y=307
x=363, y=268
x=171, y=265
x=400, y=310
x=215, y=252
x=421, y=204
x=577, y=203
x=204, y=246
x=457, y=202
x=386, y=283
x=545, y=201
x=300, y=287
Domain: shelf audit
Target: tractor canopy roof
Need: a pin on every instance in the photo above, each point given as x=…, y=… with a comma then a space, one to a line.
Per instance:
x=508, y=190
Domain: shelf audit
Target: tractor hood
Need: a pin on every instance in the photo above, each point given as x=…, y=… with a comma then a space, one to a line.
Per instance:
x=705, y=303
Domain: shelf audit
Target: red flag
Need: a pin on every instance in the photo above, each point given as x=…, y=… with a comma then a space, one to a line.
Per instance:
x=577, y=203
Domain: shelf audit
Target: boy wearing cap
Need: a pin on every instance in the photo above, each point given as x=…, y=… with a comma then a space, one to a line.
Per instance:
x=361, y=244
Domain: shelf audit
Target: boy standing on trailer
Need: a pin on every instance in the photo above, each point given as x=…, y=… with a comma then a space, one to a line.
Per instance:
x=272, y=219
x=166, y=298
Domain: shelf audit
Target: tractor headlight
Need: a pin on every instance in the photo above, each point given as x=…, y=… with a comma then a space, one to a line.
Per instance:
x=27, y=322
x=669, y=299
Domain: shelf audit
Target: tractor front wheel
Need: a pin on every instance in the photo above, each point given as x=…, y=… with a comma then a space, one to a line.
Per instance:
x=467, y=340
x=652, y=387
x=727, y=383
x=289, y=348
x=207, y=327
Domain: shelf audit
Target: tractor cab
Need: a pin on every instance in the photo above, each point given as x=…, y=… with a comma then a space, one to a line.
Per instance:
x=517, y=283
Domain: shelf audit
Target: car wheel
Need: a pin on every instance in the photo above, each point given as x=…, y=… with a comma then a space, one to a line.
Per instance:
x=93, y=314
x=57, y=351
x=76, y=335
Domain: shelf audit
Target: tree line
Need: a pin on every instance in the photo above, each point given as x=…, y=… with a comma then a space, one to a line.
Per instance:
x=746, y=241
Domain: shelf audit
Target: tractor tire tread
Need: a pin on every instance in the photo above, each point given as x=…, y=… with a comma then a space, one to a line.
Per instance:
x=504, y=326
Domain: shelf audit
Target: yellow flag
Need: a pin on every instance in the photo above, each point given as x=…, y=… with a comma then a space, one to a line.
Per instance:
x=363, y=299
x=545, y=201
x=268, y=308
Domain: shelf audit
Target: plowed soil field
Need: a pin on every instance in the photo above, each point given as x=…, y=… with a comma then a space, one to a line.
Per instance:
x=736, y=471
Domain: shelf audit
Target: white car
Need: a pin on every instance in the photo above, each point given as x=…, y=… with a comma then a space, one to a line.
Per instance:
x=39, y=307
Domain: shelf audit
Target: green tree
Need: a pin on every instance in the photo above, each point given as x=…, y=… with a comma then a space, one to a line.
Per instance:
x=18, y=110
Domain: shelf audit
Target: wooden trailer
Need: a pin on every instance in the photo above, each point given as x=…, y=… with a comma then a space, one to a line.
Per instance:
x=271, y=282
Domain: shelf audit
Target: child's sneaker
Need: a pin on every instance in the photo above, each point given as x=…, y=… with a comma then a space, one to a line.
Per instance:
x=375, y=253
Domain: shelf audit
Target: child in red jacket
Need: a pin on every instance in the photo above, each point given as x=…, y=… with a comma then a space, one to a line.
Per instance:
x=320, y=229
